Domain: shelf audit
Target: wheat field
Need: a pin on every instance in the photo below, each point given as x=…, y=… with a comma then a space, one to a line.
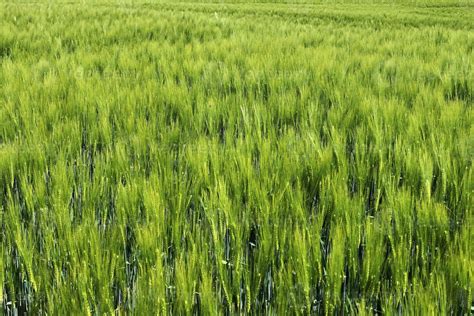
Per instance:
x=292, y=158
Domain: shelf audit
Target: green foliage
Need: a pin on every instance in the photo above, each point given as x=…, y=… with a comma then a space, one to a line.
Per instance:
x=202, y=158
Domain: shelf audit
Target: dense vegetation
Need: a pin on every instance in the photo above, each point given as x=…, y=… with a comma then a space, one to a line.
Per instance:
x=236, y=158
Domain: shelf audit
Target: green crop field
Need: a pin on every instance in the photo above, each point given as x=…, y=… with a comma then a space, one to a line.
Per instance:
x=176, y=158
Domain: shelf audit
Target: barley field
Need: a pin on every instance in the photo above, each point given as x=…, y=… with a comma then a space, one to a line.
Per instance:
x=229, y=158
